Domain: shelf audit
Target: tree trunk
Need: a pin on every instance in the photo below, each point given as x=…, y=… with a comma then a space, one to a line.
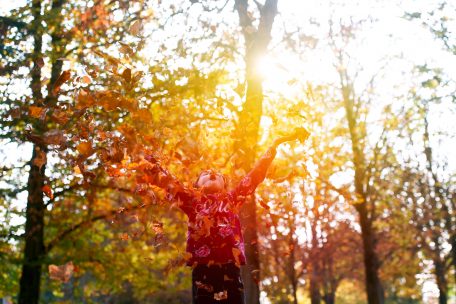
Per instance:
x=315, y=271
x=34, y=251
x=442, y=283
x=330, y=298
x=315, y=297
x=374, y=287
x=29, y=286
x=256, y=42
x=371, y=264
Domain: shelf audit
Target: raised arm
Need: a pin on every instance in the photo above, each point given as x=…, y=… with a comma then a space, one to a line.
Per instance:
x=248, y=183
x=153, y=173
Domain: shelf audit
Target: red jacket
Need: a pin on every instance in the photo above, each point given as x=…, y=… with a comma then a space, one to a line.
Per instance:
x=214, y=230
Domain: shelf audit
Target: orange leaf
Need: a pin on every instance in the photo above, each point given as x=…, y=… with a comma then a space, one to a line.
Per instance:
x=61, y=273
x=37, y=112
x=48, y=191
x=263, y=204
x=64, y=77
x=85, y=148
x=86, y=79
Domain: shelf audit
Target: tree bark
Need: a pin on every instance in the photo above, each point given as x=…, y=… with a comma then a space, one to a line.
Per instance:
x=374, y=287
x=315, y=272
x=256, y=42
x=442, y=284
x=29, y=286
x=34, y=251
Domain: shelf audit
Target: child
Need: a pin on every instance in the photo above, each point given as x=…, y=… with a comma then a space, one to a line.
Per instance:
x=214, y=238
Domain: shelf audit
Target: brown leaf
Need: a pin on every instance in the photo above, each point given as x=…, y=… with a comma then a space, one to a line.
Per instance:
x=40, y=158
x=54, y=137
x=84, y=99
x=60, y=117
x=37, y=112
x=61, y=273
x=135, y=28
x=64, y=77
x=127, y=75
x=126, y=49
x=48, y=191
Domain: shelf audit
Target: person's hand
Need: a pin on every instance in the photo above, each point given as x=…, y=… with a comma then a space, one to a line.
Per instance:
x=300, y=134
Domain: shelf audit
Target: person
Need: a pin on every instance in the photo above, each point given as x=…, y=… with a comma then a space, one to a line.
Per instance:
x=215, y=244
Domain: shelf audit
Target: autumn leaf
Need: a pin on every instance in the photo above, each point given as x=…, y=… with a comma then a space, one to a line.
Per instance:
x=126, y=75
x=124, y=236
x=263, y=204
x=54, y=137
x=64, y=77
x=40, y=158
x=61, y=273
x=37, y=112
x=60, y=117
x=135, y=28
x=85, y=148
x=84, y=99
x=126, y=49
x=48, y=191
x=86, y=79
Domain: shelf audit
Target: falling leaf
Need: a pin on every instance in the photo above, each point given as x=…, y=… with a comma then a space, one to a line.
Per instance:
x=84, y=99
x=124, y=236
x=126, y=49
x=127, y=75
x=37, y=112
x=61, y=273
x=54, y=137
x=64, y=77
x=60, y=117
x=222, y=295
x=40, y=158
x=263, y=204
x=86, y=79
x=76, y=170
x=48, y=191
x=85, y=148
x=135, y=28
